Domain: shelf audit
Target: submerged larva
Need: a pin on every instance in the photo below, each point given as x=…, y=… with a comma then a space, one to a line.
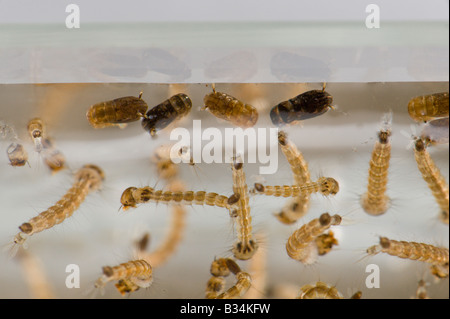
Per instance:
x=115, y=112
x=324, y=185
x=433, y=178
x=17, y=154
x=35, y=128
x=436, y=256
x=229, y=108
x=87, y=179
x=297, y=207
x=302, y=107
x=246, y=246
x=375, y=201
x=131, y=276
x=301, y=246
x=52, y=157
x=319, y=291
x=428, y=107
x=166, y=112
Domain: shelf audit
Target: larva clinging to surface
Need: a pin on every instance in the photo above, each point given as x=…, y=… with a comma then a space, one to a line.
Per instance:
x=375, y=201
x=130, y=276
x=35, y=128
x=116, y=112
x=319, y=291
x=297, y=207
x=246, y=246
x=301, y=246
x=436, y=256
x=433, y=178
x=428, y=107
x=229, y=108
x=87, y=179
x=324, y=185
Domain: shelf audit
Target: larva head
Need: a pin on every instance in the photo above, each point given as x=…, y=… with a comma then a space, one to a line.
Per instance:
x=127, y=199
x=259, y=187
x=443, y=216
x=244, y=250
x=356, y=295
x=232, y=266
x=419, y=145
x=125, y=286
x=233, y=199
x=27, y=228
x=328, y=186
x=325, y=219
x=383, y=136
x=385, y=243
x=282, y=138
x=93, y=174
x=219, y=268
x=108, y=271
x=325, y=243
x=215, y=284
x=237, y=163
x=373, y=250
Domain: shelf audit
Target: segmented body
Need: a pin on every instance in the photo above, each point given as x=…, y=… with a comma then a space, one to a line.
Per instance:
x=324, y=185
x=319, y=291
x=428, y=107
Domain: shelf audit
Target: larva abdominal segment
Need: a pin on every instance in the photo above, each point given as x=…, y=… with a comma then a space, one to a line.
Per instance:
x=324, y=185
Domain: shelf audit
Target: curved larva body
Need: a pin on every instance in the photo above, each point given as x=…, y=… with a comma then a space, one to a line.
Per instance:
x=118, y=111
x=228, y=108
x=297, y=207
x=35, y=128
x=433, y=178
x=87, y=179
x=428, y=107
x=298, y=245
x=375, y=201
x=319, y=291
x=245, y=247
x=17, y=154
x=131, y=275
x=302, y=107
x=166, y=112
x=243, y=284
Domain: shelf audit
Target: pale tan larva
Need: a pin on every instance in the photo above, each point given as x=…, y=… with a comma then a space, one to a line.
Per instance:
x=325, y=243
x=324, y=185
x=173, y=238
x=35, y=128
x=433, y=178
x=130, y=276
x=17, y=154
x=319, y=291
x=246, y=246
x=301, y=246
x=375, y=201
x=436, y=256
x=243, y=284
x=89, y=178
x=297, y=207
x=52, y=157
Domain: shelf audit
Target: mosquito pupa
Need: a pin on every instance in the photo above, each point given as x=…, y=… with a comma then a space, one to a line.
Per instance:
x=436, y=256
x=301, y=246
x=116, y=112
x=166, y=112
x=35, y=128
x=246, y=246
x=230, y=109
x=375, y=201
x=130, y=276
x=428, y=107
x=434, y=179
x=319, y=291
x=324, y=185
x=87, y=179
x=17, y=154
x=297, y=207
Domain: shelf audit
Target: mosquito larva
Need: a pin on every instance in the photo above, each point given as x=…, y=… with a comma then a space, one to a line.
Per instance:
x=130, y=276
x=17, y=154
x=434, y=179
x=375, y=201
x=133, y=196
x=428, y=107
x=116, y=112
x=246, y=246
x=297, y=207
x=35, y=128
x=214, y=287
x=436, y=256
x=324, y=185
x=325, y=243
x=243, y=284
x=166, y=112
x=88, y=178
x=301, y=246
x=302, y=107
x=319, y=291
x=229, y=108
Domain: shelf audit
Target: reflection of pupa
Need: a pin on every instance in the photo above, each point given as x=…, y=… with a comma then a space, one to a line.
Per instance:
x=52, y=157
